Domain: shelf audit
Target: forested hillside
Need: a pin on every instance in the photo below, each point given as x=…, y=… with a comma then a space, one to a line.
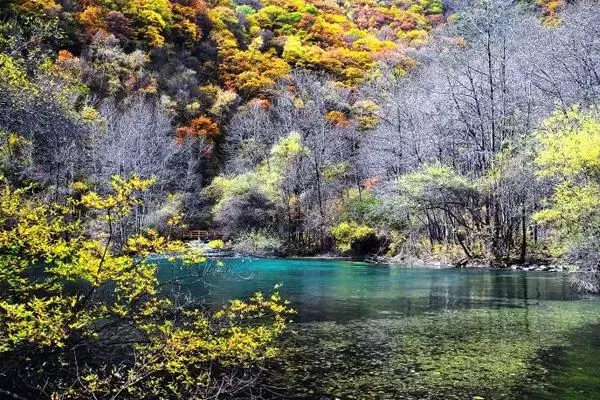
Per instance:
x=462, y=131
x=478, y=152
x=182, y=67
x=410, y=128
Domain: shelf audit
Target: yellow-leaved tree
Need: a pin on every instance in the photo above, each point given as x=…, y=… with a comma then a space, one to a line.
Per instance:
x=569, y=156
x=81, y=318
x=569, y=152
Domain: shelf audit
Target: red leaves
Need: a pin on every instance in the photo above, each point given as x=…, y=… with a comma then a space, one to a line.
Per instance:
x=370, y=183
x=119, y=25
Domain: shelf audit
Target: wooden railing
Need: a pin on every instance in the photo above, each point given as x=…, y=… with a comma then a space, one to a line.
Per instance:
x=203, y=235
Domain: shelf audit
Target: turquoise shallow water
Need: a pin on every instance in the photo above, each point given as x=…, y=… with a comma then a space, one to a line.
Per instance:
x=375, y=332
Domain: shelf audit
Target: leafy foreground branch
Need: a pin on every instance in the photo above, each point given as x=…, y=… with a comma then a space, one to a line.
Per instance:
x=80, y=319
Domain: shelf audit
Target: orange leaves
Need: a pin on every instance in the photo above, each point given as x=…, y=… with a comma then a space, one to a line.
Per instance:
x=64, y=55
x=189, y=8
x=199, y=127
x=92, y=20
x=370, y=183
x=67, y=62
x=337, y=118
x=264, y=104
x=183, y=133
x=205, y=126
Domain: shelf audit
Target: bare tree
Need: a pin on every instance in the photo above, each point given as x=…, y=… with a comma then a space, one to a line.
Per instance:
x=138, y=139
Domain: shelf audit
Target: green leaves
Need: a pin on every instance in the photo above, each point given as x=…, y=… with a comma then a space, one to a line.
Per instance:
x=267, y=177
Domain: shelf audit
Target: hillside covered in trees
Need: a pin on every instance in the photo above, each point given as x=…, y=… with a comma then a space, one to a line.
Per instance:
x=406, y=128
x=462, y=131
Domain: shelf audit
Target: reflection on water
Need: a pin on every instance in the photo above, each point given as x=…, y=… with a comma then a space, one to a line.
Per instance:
x=369, y=332
x=343, y=290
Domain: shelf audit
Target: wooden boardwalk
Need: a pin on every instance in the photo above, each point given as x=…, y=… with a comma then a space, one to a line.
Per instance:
x=203, y=235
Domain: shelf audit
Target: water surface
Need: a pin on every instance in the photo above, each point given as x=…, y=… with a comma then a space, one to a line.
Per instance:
x=378, y=332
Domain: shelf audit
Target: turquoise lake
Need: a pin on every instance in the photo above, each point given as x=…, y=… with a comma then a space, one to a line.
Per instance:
x=391, y=332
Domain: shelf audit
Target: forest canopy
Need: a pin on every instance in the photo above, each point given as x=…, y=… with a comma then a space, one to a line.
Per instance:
x=405, y=130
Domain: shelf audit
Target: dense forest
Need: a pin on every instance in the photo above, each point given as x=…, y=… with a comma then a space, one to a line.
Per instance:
x=462, y=131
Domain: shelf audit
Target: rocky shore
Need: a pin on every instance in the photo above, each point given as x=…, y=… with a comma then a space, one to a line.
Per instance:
x=474, y=264
x=411, y=261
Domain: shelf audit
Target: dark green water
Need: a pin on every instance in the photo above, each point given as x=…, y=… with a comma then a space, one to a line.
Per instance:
x=367, y=332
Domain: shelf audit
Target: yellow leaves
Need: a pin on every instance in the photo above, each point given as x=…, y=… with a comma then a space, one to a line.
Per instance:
x=92, y=17
x=14, y=76
x=344, y=41
x=418, y=37
x=252, y=72
x=216, y=244
x=39, y=6
x=153, y=36
x=40, y=321
x=120, y=203
x=346, y=233
x=145, y=244
x=286, y=148
x=237, y=335
x=571, y=204
x=175, y=220
x=80, y=186
x=365, y=112
x=337, y=118
x=14, y=150
x=126, y=186
x=569, y=150
x=224, y=101
x=301, y=56
x=90, y=114
x=192, y=256
x=335, y=171
x=45, y=252
x=570, y=143
x=94, y=200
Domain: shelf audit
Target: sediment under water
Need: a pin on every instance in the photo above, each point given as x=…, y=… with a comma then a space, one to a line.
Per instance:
x=374, y=332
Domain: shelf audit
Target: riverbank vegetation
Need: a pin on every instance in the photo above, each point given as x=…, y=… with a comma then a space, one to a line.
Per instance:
x=81, y=318
x=483, y=151
x=409, y=128
x=412, y=129
x=415, y=129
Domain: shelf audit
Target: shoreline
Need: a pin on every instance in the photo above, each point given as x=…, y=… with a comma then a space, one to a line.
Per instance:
x=417, y=263
x=477, y=264
x=412, y=262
